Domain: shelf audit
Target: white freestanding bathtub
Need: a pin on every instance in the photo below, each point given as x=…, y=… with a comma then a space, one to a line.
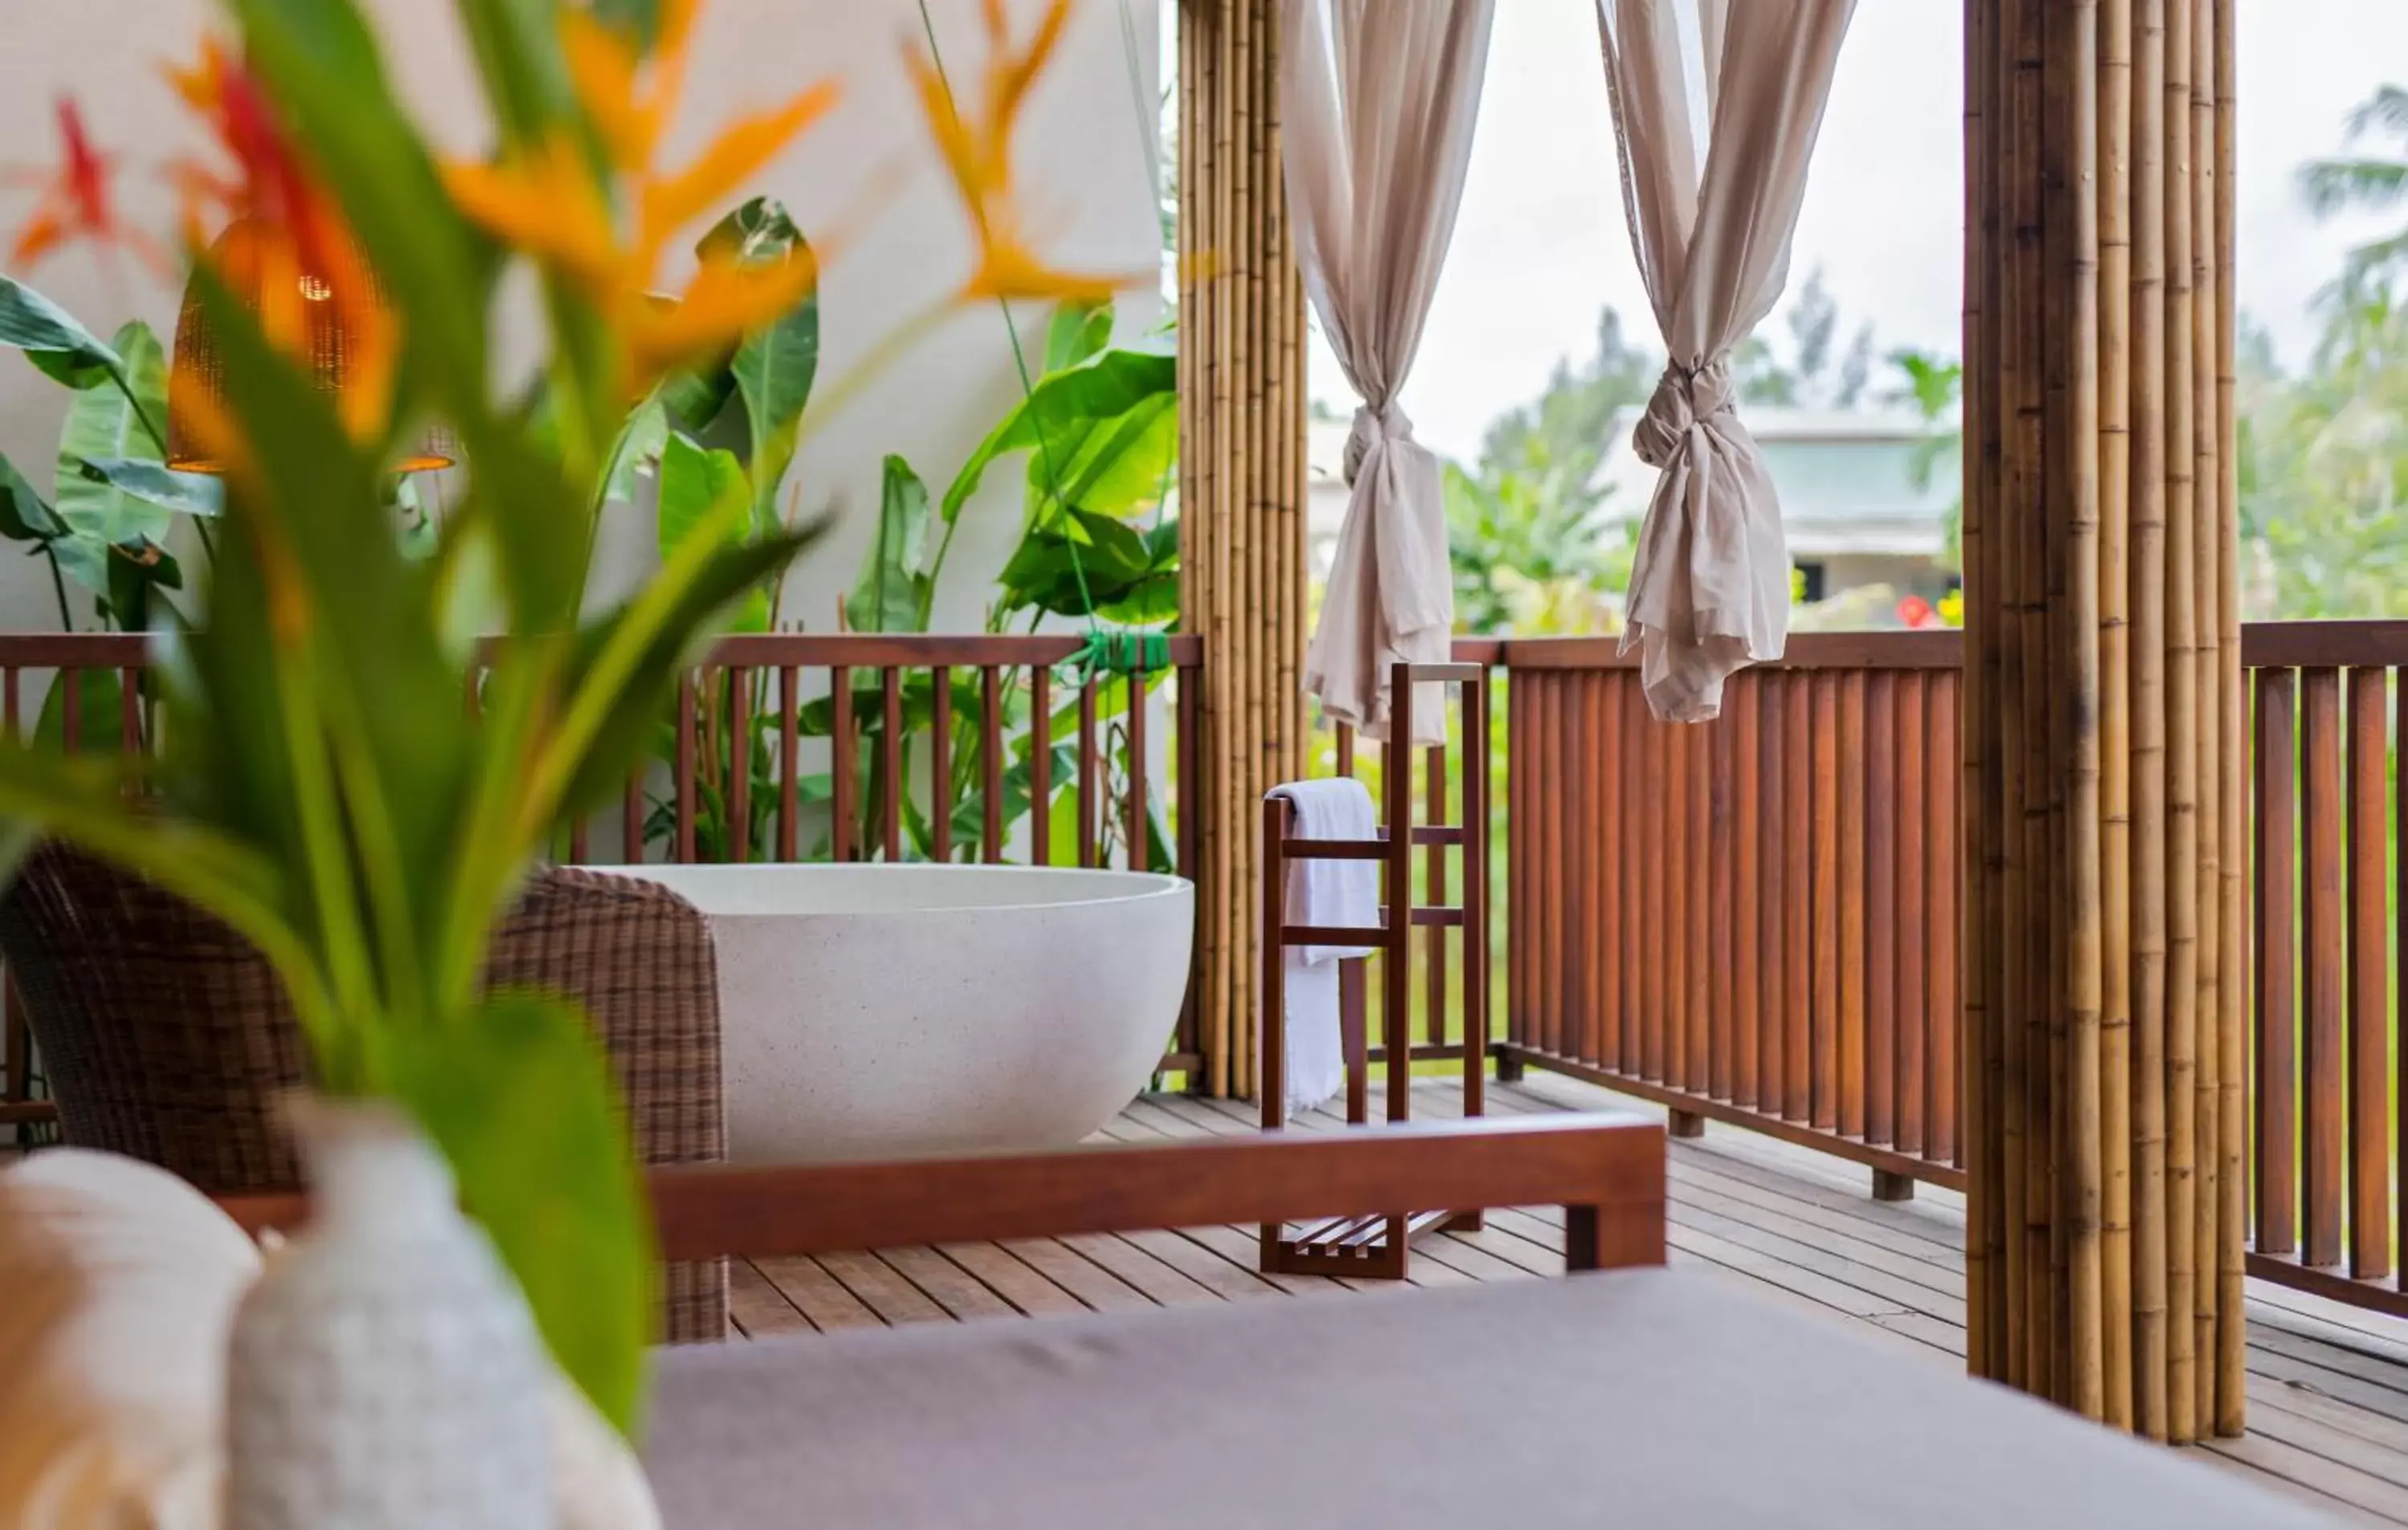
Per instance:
x=880, y=1011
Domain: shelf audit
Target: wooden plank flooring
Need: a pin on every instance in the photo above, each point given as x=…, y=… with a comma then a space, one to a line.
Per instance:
x=2329, y=1384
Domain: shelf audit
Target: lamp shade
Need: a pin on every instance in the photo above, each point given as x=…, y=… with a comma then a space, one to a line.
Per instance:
x=292, y=299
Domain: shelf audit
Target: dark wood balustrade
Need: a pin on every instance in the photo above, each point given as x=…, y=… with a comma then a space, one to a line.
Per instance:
x=1752, y=922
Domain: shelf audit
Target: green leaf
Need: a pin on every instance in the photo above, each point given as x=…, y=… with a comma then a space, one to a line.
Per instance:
x=1084, y=563
x=25, y=516
x=520, y=1099
x=733, y=578
x=638, y=19
x=892, y=592
x=1123, y=466
x=100, y=721
x=1077, y=332
x=1063, y=410
x=638, y=451
x=694, y=483
x=775, y=366
x=135, y=573
x=53, y=339
x=156, y=483
x=105, y=424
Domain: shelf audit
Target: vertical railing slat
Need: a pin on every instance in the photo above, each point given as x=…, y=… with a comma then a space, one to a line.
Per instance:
x=940, y=763
x=1747, y=939
x=1040, y=776
x=1697, y=789
x=1824, y=1046
x=1613, y=977
x=2369, y=1002
x=790, y=765
x=2276, y=1095
x=1942, y=768
x=682, y=771
x=2323, y=980
x=1881, y=807
x=892, y=785
x=843, y=765
x=991, y=747
x=1910, y=999
x=1136, y=831
x=739, y=763
x=1722, y=901
x=1850, y=953
x=1088, y=805
x=1797, y=906
x=1658, y=888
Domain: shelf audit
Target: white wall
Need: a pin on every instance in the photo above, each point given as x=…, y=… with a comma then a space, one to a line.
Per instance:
x=866, y=177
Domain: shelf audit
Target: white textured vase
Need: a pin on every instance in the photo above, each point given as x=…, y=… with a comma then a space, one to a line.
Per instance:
x=384, y=1373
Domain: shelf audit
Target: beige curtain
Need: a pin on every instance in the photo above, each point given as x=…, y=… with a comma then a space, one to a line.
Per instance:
x=1377, y=99
x=1712, y=214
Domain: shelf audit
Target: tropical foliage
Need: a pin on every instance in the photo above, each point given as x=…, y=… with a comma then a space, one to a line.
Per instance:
x=317, y=780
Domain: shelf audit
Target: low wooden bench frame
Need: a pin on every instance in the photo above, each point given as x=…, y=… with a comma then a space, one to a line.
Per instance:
x=1607, y=1174
x=1375, y=1244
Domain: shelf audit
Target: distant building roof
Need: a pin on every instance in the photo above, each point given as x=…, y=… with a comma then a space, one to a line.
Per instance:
x=1845, y=479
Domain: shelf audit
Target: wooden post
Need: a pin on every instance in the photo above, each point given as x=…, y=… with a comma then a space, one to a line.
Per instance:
x=1241, y=482
x=2102, y=1059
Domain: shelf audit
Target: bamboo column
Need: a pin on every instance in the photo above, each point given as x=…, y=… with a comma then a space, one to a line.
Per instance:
x=2103, y=1055
x=1241, y=485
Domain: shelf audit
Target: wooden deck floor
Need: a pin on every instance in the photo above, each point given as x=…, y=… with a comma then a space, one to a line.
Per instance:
x=2329, y=1384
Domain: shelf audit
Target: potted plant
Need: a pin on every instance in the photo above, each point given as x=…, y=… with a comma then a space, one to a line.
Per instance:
x=352, y=770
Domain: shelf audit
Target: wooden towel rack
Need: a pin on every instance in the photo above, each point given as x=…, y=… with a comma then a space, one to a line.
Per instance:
x=1376, y=1247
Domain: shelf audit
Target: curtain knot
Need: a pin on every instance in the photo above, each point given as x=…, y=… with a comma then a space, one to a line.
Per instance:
x=1686, y=397
x=1374, y=425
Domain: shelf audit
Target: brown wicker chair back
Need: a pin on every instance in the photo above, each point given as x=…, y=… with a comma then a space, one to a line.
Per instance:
x=167, y=1037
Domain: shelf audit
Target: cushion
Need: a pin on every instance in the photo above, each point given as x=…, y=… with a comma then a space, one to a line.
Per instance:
x=1637, y=1397
x=121, y=1283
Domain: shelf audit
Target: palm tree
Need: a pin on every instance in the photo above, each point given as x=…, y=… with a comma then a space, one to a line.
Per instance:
x=2374, y=182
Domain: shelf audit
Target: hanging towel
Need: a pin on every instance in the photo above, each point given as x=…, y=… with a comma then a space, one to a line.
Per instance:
x=1326, y=893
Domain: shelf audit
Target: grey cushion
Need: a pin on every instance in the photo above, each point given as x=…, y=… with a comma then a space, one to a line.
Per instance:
x=1638, y=1398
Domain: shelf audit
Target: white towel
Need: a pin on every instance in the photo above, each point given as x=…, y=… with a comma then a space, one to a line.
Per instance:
x=1344, y=893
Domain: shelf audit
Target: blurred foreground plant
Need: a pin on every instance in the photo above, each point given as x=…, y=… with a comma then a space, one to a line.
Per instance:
x=346, y=772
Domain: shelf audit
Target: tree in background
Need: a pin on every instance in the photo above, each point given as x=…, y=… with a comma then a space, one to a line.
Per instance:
x=1934, y=386
x=1814, y=373
x=2368, y=182
x=2324, y=463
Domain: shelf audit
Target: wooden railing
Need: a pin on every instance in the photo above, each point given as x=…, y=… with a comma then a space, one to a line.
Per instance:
x=2329, y=924
x=931, y=760
x=1756, y=922
x=1753, y=921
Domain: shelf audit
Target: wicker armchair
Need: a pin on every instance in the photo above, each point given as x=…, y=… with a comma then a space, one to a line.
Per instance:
x=167, y=1037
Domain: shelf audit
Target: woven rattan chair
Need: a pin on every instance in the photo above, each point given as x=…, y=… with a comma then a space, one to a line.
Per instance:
x=168, y=1038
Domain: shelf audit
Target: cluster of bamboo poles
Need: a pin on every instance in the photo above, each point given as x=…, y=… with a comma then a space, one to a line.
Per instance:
x=1241, y=484
x=2104, y=1043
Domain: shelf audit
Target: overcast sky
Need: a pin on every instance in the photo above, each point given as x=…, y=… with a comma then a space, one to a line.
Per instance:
x=1541, y=245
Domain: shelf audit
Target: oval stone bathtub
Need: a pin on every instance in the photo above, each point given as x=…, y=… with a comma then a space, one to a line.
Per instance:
x=886, y=1011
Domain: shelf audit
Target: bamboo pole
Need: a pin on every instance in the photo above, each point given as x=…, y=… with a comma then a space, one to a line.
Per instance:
x=2207, y=478
x=1242, y=470
x=2183, y=732
x=2115, y=359
x=2073, y=180
x=2014, y=717
x=1985, y=1272
x=2149, y=858
x=2102, y=806
x=2233, y=1118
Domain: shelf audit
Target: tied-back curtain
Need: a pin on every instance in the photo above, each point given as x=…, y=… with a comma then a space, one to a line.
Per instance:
x=1376, y=101
x=1711, y=217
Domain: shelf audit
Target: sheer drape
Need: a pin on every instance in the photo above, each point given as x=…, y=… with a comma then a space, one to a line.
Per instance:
x=1376, y=101
x=1710, y=218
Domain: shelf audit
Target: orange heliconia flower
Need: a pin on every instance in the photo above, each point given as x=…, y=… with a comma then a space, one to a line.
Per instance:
x=547, y=201
x=286, y=248
x=78, y=201
x=978, y=153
